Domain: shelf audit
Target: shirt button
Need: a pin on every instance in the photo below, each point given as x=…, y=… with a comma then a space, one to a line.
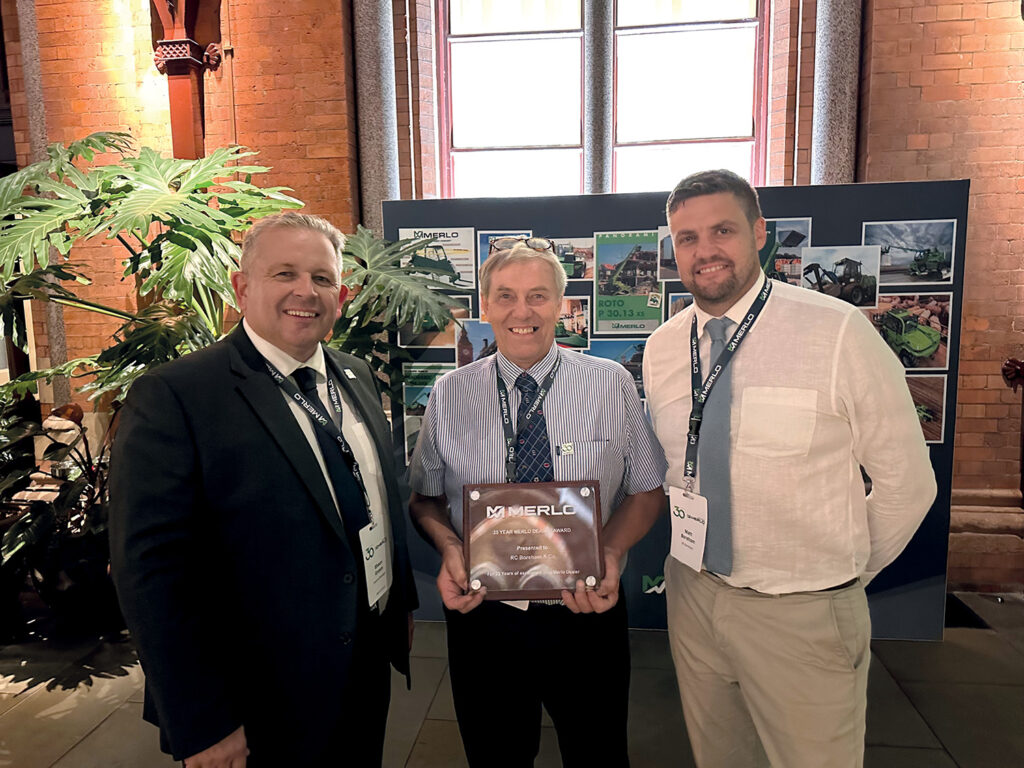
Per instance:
x=346, y=638
x=348, y=578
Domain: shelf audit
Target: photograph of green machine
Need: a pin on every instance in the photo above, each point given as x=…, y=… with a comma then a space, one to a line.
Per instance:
x=913, y=251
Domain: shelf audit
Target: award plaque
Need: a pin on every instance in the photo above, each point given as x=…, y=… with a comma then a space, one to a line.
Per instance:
x=532, y=540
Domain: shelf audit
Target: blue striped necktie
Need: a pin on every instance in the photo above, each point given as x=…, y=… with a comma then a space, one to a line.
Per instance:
x=713, y=456
x=533, y=450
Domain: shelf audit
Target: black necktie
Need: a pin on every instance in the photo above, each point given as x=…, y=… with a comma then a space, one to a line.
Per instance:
x=351, y=501
x=533, y=451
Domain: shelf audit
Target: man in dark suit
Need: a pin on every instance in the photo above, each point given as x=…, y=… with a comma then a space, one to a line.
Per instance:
x=259, y=550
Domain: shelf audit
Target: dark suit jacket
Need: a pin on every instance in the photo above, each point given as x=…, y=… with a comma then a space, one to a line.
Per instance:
x=230, y=560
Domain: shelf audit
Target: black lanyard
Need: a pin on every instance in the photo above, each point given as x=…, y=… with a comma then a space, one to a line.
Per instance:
x=506, y=416
x=701, y=388
x=323, y=423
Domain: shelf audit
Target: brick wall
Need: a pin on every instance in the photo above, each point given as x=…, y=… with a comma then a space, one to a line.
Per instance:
x=945, y=102
x=414, y=82
x=790, y=91
x=96, y=63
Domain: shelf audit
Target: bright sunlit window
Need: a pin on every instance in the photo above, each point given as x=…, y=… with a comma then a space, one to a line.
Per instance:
x=687, y=85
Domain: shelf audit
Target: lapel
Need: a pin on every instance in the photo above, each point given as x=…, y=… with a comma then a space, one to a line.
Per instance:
x=264, y=397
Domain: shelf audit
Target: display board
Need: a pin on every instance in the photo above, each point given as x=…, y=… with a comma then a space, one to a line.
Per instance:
x=895, y=251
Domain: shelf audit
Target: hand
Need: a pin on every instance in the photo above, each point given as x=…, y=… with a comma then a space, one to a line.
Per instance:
x=599, y=600
x=229, y=752
x=453, y=583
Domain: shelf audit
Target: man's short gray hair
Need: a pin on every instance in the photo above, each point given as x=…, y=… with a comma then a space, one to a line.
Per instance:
x=292, y=220
x=518, y=254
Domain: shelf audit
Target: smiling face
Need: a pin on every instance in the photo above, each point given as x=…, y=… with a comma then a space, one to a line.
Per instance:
x=290, y=292
x=523, y=304
x=716, y=249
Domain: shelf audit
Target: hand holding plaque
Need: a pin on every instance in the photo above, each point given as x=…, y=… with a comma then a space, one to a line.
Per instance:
x=532, y=540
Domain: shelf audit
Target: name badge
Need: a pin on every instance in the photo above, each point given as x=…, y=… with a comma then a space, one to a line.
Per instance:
x=376, y=562
x=689, y=515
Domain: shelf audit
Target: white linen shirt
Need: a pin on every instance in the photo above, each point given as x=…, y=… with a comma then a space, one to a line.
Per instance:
x=816, y=393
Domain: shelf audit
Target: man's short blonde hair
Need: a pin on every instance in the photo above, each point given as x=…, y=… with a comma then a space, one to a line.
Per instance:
x=518, y=254
x=293, y=220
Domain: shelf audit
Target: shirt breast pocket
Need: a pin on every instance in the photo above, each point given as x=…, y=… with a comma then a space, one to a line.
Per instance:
x=580, y=460
x=777, y=422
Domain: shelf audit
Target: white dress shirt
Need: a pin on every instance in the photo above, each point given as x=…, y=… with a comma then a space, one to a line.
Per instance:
x=816, y=393
x=353, y=427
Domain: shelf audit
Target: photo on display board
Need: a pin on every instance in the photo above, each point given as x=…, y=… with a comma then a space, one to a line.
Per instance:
x=484, y=239
x=780, y=257
x=572, y=330
x=915, y=326
x=929, y=395
x=475, y=342
x=430, y=336
x=629, y=353
x=576, y=255
x=677, y=302
x=913, y=251
x=667, y=268
x=627, y=290
x=418, y=380
x=847, y=272
x=451, y=253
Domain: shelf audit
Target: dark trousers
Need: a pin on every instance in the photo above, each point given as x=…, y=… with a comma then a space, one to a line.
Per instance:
x=505, y=663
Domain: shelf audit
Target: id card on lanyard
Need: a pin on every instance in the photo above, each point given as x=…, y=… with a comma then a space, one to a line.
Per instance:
x=689, y=510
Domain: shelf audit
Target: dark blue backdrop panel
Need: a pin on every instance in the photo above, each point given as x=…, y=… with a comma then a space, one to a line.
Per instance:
x=907, y=599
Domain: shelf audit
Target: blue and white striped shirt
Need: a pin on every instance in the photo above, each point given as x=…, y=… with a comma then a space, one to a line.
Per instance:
x=592, y=404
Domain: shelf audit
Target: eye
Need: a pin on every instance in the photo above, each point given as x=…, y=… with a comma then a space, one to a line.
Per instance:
x=685, y=239
x=284, y=274
x=323, y=280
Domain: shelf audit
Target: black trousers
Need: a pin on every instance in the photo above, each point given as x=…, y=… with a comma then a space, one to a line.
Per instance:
x=505, y=663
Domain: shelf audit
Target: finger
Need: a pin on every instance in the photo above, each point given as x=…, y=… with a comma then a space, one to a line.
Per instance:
x=583, y=598
x=601, y=604
x=570, y=601
x=468, y=602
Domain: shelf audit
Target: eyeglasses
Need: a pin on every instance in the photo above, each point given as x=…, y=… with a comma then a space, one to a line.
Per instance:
x=506, y=243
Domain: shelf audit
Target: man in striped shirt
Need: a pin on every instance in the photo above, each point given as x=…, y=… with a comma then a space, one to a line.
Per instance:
x=506, y=660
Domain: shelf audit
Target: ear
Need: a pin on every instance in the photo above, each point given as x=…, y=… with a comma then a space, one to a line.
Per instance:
x=239, y=283
x=760, y=233
x=342, y=296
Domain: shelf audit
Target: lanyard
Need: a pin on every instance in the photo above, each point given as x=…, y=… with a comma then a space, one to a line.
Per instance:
x=701, y=388
x=506, y=417
x=320, y=421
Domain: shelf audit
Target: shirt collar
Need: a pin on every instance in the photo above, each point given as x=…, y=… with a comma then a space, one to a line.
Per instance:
x=510, y=371
x=738, y=311
x=284, y=362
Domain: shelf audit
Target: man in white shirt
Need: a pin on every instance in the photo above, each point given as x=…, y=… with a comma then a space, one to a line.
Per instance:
x=257, y=536
x=768, y=620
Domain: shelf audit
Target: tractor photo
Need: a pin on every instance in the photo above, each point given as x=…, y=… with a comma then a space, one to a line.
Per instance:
x=911, y=341
x=928, y=263
x=847, y=282
x=434, y=259
x=571, y=262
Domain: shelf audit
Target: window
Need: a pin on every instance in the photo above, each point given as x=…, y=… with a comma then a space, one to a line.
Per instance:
x=688, y=82
x=512, y=73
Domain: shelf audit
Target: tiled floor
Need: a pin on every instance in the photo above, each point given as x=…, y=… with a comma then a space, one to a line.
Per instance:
x=933, y=705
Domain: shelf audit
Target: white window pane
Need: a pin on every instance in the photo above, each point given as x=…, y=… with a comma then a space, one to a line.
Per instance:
x=685, y=85
x=517, y=173
x=633, y=13
x=662, y=166
x=516, y=93
x=471, y=17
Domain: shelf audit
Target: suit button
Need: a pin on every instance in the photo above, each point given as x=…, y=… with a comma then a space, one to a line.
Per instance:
x=348, y=578
x=346, y=637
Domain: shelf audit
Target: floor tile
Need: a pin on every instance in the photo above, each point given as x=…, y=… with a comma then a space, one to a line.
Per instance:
x=979, y=725
x=123, y=740
x=430, y=640
x=38, y=731
x=438, y=746
x=649, y=649
x=443, y=706
x=906, y=757
x=892, y=720
x=409, y=708
x=657, y=730
x=964, y=656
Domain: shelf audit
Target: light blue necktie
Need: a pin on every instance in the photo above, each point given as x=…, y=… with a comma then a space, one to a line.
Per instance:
x=713, y=456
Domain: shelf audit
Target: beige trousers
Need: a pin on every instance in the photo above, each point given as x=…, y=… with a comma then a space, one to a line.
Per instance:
x=769, y=680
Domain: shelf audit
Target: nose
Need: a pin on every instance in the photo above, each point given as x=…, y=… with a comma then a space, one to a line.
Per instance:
x=521, y=308
x=303, y=285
